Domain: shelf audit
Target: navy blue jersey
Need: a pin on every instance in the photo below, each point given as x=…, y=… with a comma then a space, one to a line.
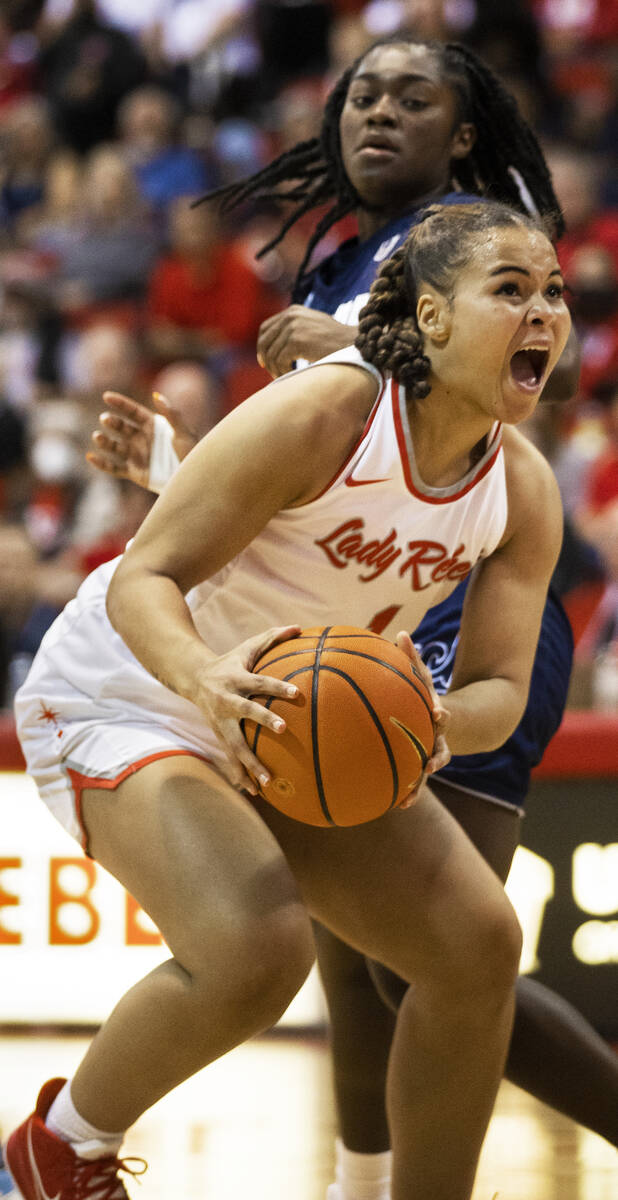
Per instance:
x=505, y=772
x=340, y=286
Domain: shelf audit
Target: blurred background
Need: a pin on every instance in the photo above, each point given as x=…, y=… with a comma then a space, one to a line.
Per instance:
x=112, y=117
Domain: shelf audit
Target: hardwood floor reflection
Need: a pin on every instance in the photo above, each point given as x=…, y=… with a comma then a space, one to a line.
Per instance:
x=260, y=1125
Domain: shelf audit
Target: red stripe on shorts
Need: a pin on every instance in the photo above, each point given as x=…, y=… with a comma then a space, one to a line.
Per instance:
x=79, y=782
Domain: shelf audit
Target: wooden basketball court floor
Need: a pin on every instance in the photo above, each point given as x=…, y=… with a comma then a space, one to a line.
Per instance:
x=259, y=1124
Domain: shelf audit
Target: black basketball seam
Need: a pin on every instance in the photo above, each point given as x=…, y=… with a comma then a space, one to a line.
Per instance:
x=378, y=724
x=370, y=658
x=389, y=667
x=314, y=724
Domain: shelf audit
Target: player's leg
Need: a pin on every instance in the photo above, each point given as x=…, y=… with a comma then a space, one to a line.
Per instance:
x=361, y=1029
x=557, y=1056
x=554, y=1053
x=202, y=864
x=411, y=890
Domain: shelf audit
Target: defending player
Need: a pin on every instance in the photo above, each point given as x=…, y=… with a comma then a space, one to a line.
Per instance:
x=153, y=658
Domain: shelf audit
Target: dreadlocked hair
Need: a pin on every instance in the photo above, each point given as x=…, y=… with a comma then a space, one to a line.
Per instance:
x=437, y=248
x=505, y=163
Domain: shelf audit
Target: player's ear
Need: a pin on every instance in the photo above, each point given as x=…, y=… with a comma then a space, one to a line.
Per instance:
x=433, y=316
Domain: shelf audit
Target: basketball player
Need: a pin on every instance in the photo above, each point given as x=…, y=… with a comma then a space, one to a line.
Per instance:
x=144, y=680
x=445, y=124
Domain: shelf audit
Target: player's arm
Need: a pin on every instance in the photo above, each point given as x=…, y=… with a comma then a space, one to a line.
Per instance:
x=300, y=332
x=503, y=609
x=277, y=450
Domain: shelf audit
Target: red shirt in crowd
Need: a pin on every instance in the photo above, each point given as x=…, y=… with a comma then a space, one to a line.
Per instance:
x=226, y=297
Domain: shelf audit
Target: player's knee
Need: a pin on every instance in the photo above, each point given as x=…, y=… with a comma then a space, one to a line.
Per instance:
x=278, y=957
x=496, y=950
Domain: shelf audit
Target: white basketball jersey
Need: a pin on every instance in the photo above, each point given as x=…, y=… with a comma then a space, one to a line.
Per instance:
x=377, y=548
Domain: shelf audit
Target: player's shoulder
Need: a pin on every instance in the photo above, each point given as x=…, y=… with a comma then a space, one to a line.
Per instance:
x=525, y=463
x=532, y=489
x=325, y=405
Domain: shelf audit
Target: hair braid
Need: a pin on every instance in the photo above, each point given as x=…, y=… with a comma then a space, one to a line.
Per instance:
x=505, y=144
x=388, y=335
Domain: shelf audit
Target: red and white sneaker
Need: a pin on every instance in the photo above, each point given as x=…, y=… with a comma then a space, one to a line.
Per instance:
x=46, y=1168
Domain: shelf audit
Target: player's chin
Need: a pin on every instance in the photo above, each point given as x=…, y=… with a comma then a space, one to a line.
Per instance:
x=516, y=403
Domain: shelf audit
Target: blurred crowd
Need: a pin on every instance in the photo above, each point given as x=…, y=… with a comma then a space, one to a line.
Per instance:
x=113, y=117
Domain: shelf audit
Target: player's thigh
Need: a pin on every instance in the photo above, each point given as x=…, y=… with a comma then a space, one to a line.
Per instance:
x=493, y=828
x=409, y=889
x=195, y=855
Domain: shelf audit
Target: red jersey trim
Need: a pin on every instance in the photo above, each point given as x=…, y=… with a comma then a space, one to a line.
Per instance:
x=367, y=427
x=405, y=462
x=79, y=782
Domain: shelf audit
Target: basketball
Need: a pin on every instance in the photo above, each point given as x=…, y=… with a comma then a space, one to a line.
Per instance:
x=358, y=735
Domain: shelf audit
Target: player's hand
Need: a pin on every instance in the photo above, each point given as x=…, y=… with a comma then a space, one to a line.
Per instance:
x=439, y=714
x=299, y=332
x=122, y=444
x=224, y=696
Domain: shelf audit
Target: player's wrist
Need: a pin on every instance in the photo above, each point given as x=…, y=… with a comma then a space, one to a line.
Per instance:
x=164, y=460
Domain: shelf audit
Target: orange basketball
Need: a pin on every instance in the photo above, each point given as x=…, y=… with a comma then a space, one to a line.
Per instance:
x=358, y=736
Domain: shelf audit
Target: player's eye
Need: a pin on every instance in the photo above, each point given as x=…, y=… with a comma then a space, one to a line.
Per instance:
x=361, y=100
x=414, y=104
x=555, y=291
x=508, y=289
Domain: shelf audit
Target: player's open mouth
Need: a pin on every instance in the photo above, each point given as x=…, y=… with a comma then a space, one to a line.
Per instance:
x=528, y=367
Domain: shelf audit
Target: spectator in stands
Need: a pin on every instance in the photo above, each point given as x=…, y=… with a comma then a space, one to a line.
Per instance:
x=86, y=70
x=148, y=123
x=578, y=182
x=49, y=227
x=592, y=276
x=204, y=298
x=597, y=514
x=18, y=68
x=28, y=140
x=115, y=245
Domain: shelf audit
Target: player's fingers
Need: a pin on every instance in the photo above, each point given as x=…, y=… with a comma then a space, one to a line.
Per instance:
x=254, y=647
x=440, y=757
x=236, y=774
x=242, y=757
x=114, y=444
x=275, y=353
x=250, y=710
x=124, y=406
x=268, y=685
x=267, y=333
x=117, y=426
x=281, y=355
x=405, y=643
x=103, y=462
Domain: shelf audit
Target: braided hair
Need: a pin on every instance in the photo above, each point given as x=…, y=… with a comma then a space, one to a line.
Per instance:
x=505, y=163
x=436, y=249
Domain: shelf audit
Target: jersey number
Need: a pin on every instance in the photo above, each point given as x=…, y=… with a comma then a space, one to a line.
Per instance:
x=383, y=618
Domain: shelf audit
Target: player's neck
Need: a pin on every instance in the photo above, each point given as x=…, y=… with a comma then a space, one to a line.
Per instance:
x=371, y=220
x=446, y=437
